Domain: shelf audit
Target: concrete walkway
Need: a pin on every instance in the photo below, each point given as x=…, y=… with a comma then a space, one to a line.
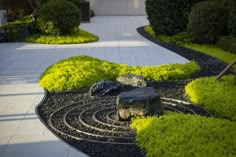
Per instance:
x=21, y=132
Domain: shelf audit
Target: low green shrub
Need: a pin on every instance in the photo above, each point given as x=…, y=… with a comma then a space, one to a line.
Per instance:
x=227, y=43
x=217, y=96
x=77, y=37
x=169, y=16
x=181, y=135
x=79, y=72
x=207, y=21
x=213, y=51
x=58, y=17
x=210, y=50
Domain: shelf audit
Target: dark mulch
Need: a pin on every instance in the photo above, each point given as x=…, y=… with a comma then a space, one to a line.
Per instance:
x=90, y=124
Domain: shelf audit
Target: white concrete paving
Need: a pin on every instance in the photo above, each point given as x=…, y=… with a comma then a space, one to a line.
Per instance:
x=21, y=132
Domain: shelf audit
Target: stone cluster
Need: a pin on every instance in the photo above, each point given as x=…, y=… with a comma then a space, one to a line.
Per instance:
x=134, y=98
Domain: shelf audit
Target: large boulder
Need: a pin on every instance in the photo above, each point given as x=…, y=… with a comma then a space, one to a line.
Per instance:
x=138, y=102
x=104, y=87
x=132, y=80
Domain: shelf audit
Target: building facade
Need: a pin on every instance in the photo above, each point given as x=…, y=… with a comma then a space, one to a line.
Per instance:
x=118, y=7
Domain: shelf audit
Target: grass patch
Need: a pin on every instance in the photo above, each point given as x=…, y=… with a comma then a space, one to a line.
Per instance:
x=217, y=96
x=186, y=42
x=78, y=37
x=181, y=135
x=82, y=71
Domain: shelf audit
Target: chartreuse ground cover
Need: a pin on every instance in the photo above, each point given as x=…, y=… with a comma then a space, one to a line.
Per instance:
x=185, y=40
x=181, y=135
x=82, y=71
x=80, y=36
x=217, y=96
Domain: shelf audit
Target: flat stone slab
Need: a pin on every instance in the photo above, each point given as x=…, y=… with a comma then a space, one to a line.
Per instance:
x=138, y=102
x=132, y=80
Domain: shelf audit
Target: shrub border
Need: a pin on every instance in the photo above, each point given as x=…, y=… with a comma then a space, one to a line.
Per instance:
x=207, y=68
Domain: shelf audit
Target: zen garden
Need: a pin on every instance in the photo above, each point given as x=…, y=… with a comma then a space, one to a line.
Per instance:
x=108, y=109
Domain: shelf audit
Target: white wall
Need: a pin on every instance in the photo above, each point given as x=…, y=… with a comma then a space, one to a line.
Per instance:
x=118, y=7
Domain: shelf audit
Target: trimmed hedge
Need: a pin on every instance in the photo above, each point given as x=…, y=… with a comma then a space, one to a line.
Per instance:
x=79, y=72
x=232, y=18
x=207, y=21
x=58, y=17
x=169, y=16
x=217, y=96
x=227, y=44
x=181, y=135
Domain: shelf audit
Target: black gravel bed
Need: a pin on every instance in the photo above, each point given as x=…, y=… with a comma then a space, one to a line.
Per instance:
x=90, y=124
x=209, y=65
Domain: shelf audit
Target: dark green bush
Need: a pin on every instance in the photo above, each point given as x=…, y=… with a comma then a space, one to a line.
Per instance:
x=181, y=38
x=232, y=18
x=207, y=21
x=169, y=16
x=217, y=96
x=227, y=43
x=181, y=135
x=58, y=17
x=76, y=2
x=15, y=8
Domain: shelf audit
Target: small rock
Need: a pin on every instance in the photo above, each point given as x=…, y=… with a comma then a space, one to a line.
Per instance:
x=104, y=87
x=138, y=102
x=133, y=80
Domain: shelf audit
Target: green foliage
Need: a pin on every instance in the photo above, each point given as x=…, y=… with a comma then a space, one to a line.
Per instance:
x=58, y=17
x=169, y=16
x=15, y=29
x=210, y=50
x=76, y=2
x=207, y=21
x=77, y=37
x=232, y=18
x=181, y=135
x=227, y=44
x=218, y=96
x=26, y=20
x=79, y=72
x=213, y=51
x=15, y=8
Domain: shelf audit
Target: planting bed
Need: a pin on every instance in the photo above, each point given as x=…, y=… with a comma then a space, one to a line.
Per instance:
x=209, y=65
x=90, y=123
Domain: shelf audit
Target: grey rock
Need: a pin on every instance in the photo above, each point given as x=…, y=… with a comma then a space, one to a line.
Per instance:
x=138, y=102
x=104, y=87
x=132, y=80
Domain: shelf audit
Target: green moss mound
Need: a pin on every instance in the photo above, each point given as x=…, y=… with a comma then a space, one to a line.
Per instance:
x=82, y=71
x=180, y=135
x=217, y=96
x=78, y=37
